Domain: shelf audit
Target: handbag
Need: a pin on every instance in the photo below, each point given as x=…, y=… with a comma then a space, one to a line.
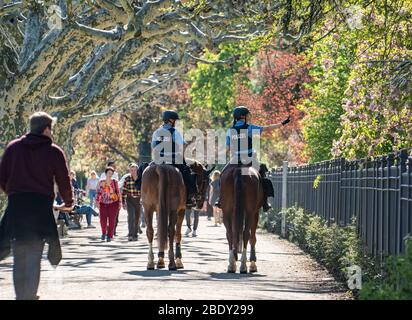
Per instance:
x=114, y=196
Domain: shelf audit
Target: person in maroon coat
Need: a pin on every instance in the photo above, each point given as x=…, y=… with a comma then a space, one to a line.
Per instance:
x=29, y=168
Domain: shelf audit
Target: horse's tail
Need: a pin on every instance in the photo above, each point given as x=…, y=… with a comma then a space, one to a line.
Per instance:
x=163, y=214
x=239, y=209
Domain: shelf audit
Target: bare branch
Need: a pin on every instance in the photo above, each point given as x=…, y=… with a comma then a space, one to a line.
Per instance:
x=127, y=7
x=114, y=34
x=10, y=7
x=110, y=7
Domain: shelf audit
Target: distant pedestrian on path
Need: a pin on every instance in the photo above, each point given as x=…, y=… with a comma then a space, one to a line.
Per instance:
x=214, y=195
x=73, y=179
x=28, y=169
x=108, y=202
x=131, y=201
x=91, y=188
x=115, y=176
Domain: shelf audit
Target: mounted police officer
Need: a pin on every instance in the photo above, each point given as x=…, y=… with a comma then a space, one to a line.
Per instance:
x=239, y=142
x=168, y=148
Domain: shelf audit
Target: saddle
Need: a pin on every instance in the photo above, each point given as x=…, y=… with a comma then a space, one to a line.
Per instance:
x=189, y=177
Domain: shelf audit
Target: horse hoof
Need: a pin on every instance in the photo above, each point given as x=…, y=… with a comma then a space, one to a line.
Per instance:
x=243, y=271
x=172, y=268
x=150, y=267
x=231, y=269
x=179, y=264
x=160, y=263
x=252, y=268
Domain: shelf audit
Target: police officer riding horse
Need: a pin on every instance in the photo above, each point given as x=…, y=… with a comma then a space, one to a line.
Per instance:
x=168, y=147
x=239, y=143
x=168, y=188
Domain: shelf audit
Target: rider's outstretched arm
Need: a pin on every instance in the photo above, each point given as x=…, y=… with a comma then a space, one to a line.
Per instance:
x=276, y=126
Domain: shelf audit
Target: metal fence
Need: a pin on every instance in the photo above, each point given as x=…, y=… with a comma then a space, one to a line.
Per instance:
x=377, y=192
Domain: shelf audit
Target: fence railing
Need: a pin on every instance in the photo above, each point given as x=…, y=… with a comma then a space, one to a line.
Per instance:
x=377, y=192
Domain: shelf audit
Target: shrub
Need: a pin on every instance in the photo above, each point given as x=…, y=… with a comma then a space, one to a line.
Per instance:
x=333, y=246
x=395, y=282
x=338, y=248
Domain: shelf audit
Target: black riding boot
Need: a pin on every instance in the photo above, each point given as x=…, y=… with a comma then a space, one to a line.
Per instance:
x=189, y=184
x=267, y=192
x=266, y=205
x=267, y=187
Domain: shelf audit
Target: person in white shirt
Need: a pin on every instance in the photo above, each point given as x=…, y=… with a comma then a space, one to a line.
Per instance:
x=91, y=188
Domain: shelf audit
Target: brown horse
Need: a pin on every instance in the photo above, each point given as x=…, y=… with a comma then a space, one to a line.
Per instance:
x=163, y=191
x=241, y=197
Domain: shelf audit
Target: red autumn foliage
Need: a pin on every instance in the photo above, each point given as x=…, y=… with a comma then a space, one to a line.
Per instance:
x=278, y=79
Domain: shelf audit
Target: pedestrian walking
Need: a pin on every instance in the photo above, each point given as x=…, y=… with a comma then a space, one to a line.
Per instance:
x=108, y=201
x=131, y=201
x=28, y=169
x=214, y=196
x=91, y=188
x=120, y=184
x=73, y=180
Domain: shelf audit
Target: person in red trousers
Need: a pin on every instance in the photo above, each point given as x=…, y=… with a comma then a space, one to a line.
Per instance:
x=108, y=202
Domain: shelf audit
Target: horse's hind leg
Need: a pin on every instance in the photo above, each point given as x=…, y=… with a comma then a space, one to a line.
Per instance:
x=149, y=234
x=232, y=257
x=232, y=262
x=246, y=236
x=253, y=267
x=162, y=246
x=180, y=218
x=171, y=232
x=228, y=226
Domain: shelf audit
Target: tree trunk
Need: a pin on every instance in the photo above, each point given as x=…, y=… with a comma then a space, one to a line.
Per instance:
x=144, y=150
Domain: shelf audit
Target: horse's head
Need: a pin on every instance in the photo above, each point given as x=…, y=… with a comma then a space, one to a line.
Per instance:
x=202, y=182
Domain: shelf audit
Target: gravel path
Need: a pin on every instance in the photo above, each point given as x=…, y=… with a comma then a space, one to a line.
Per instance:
x=92, y=269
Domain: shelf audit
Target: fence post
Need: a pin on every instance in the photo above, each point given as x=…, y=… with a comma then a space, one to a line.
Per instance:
x=284, y=197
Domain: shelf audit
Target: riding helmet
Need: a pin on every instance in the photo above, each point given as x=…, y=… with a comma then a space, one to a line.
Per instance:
x=240, y=111
x=170, y=115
